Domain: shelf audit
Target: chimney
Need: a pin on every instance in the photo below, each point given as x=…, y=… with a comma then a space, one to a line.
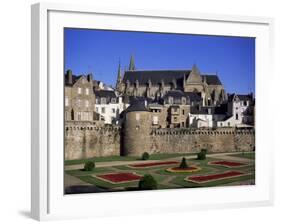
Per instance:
x=90, y=77
x=69, y=77
x=145, y=103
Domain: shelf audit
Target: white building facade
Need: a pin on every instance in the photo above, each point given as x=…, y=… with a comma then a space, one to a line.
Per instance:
x=109, y=106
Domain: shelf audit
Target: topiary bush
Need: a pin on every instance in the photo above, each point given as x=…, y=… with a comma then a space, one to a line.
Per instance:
x=147, y=182
x=183, y=164
x=89, y=166
x=145, y=156
x=202, y=155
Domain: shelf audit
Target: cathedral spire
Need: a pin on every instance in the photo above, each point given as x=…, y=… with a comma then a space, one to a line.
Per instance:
x=119, y=75
x=132, y=63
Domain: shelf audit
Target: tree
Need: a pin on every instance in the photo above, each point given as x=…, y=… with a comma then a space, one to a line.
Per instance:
x=202, y=155
x=147, y=182
x=145, y=156
x=89, y=166
x=183, y=164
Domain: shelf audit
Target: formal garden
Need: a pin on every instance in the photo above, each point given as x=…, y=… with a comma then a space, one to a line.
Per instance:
x=162, y=171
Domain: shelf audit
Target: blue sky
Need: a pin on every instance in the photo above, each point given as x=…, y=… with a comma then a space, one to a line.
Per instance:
x=99, y=52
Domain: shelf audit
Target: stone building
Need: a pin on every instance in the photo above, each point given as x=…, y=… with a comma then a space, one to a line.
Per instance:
x=79, y=97
x=156, y=83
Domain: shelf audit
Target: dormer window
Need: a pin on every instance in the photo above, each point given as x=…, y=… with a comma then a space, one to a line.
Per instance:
x=87, y=91
x=183, y=100
x=103, y=100
x=170, y=100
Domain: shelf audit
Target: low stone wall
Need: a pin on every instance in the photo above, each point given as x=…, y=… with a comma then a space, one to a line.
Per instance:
x=87, y=141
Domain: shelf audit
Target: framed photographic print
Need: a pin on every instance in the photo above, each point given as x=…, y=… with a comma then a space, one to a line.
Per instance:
x=161, y=111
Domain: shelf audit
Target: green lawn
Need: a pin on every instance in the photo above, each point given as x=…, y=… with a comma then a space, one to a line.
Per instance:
x=247, y=155
x=126, y=158
x=165, y=180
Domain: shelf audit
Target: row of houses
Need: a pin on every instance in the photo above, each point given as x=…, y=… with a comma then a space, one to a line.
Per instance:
x=89, y=100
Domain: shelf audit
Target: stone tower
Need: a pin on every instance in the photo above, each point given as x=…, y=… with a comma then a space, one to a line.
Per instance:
x=194, y=83
x=136, y=132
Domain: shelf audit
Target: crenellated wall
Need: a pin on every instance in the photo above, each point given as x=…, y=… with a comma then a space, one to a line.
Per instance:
x=87, y=140
x=184, y=140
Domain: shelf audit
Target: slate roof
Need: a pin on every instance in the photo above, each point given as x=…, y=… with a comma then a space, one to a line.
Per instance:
x=74, y=79
x=105, y=93
x=178, y=94
x=242, y=97
x=222, y=109
x=136, y=106
x=193, y=96
x=212, y=79
x=155, y=76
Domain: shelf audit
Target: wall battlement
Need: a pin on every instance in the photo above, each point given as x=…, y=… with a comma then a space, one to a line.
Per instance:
x=88, y=140
x=187, y=131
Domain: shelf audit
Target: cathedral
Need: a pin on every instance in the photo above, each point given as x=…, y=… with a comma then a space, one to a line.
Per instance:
x=155, y=84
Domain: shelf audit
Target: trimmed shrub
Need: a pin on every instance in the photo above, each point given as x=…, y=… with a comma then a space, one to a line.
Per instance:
x=204, y=151
x=145, y=156
x=183, y=164
x=89, y=166
x=147, y=182
x=202, y=155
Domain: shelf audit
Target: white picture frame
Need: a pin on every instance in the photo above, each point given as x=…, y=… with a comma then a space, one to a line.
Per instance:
x=48, y=200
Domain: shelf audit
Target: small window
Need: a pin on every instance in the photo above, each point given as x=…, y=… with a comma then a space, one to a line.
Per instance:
x=155, y=120
x=79, y=116
x=66, y=101
x=228, y=124
x=103, y=110
x=79, y=90
x=79, y=103
x=182, y=112
x=113, y=100
x=236, y=116
x=87, y=103
x=87, y=91
x=97, y=109
x=113, y=110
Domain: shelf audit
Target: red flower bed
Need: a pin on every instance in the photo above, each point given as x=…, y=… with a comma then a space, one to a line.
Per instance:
x=141, y=165
x=227, y=163
x=213, y=177
x=119, y=177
